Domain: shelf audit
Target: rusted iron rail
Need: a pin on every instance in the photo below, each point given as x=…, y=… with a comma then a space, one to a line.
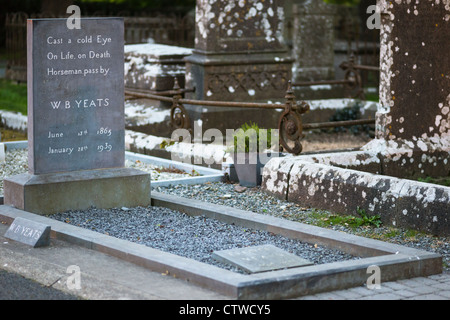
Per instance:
x=290, y=124
x=352, y=79
x=364, y=67
x=167, y=93
x=319, y=82
x=205, y=103
x=334, y=124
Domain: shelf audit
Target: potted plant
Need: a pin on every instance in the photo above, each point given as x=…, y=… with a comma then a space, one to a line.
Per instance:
x=253, y=147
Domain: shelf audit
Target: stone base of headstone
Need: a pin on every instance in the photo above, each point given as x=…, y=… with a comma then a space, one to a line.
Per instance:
x=261, y=78
x=58, y=192
x=239, y=77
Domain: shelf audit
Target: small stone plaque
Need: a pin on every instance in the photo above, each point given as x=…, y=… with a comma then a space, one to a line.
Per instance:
x=29, y=232
x=260, y=258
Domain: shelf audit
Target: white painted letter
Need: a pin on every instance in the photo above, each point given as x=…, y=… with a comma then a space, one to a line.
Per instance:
x=374, y=21
x=373, y=282
x=74, y=281
x=74, y=22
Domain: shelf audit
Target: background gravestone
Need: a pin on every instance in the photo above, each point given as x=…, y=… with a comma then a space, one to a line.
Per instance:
x=313, y=40
x=413, y=119
x=239, y=51
x=239, y=55
x=76, y=124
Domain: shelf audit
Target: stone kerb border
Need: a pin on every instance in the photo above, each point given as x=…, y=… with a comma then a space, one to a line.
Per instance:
x=336, y=182
x=206, y=174
x=395, y=262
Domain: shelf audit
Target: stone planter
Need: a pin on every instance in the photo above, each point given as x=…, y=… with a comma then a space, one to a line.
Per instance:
x=249, y=167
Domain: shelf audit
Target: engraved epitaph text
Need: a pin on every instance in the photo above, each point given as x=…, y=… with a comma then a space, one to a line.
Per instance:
x=75, y=95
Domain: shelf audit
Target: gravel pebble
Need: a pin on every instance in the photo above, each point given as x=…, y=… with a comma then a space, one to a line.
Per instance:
x=16, y=162
x=192, y=237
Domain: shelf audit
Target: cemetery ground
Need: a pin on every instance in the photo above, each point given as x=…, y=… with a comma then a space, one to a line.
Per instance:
x=254, y=200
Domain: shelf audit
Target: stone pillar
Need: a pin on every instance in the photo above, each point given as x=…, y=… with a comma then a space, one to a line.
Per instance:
x=413, y=132
x=239, y=51
x=414, y=113
x=313, y=40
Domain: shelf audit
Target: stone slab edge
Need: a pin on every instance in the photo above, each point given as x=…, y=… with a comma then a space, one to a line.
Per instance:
x=281, y=178
x=207, y=174
x=394, y=264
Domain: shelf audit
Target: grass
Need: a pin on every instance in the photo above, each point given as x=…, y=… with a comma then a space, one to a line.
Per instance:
x=372, y=97
x=325, y=219
x=13, y=97
x=12, y=135
x=444, y=181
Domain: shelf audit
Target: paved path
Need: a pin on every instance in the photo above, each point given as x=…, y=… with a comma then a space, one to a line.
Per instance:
x=436, y=287
x=102, y=277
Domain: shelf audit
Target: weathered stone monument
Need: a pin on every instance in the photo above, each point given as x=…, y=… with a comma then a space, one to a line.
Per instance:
x=239, y=55
x=313, y=40
x=413, y=122
x=412, y=128
x=76, y=121
x=154, y=66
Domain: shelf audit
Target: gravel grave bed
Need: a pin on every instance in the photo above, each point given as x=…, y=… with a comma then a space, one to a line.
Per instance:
x=192, y=237
x=255, y=200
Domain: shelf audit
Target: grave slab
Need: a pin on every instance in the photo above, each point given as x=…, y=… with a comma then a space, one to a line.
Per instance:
x=154, y=66
x=260, y=258
x=30, y=232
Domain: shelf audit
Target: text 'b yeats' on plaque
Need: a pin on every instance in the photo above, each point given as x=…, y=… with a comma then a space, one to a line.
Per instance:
x=29, y=232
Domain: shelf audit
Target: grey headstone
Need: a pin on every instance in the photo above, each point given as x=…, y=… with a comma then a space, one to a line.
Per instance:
x=260, y=258
x=414, y=41
x=239, y=53
x=75, y=95
x=313, y=41
x=29, y=232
